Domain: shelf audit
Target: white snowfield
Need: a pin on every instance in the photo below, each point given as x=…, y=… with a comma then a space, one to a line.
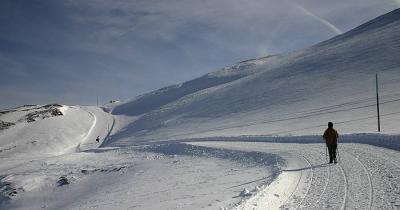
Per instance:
x=244, y=137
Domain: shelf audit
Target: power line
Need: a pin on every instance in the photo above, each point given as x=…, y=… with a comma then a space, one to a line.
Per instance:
x=349, y=103
x=342, y=122
x=306, y=115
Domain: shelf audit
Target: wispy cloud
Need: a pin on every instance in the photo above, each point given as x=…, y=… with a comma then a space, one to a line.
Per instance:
x=319, y=19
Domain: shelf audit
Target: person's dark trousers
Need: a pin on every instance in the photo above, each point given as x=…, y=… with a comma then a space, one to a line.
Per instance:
x=332, y=152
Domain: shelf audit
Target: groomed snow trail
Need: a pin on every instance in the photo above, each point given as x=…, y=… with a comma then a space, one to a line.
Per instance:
x=367, y=177
x=101, y=126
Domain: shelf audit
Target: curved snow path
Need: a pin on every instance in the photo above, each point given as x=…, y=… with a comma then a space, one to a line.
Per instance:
x=91, y=127
x=102, y=126
x=367, y=177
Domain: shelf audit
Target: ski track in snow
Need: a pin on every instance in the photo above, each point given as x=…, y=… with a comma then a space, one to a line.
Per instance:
x=326, y=184
x=312, y=178
x=345, y=187
x=369, y=180
x=363, y=179
x=91, y=127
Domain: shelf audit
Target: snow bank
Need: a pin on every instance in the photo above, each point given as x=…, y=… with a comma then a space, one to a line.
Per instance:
x=247, y=158
x=380, y=140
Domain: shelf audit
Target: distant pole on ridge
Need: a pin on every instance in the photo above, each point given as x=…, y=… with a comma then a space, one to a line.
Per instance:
x=97, y=100
x=377, y=103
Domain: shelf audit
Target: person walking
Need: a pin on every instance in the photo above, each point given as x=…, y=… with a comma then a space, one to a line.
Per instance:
x=331, y=136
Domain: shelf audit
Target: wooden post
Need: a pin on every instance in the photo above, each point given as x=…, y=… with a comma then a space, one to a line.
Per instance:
x=377, y=103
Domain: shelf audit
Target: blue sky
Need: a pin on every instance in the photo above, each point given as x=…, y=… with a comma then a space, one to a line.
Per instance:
x=69, y=51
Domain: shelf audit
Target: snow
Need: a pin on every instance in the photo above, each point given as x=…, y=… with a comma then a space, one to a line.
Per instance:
x=51, y=136
x=245, y=137
x=197, y=177
x=289, y=94
x=308, y=182
x=102, y=126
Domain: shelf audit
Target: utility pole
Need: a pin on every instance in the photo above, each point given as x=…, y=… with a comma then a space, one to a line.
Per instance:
x=377, y=103
x=97, y=100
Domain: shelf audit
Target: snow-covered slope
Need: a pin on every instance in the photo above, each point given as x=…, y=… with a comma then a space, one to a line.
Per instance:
x=294, y=93
x=40, y=130
x=31, y=135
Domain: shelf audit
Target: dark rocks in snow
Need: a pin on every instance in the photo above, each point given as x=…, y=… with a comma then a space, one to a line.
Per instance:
x=56, y=112
x=114, y=169
x=9, y=148
x=243, y=66
x=4, y=125
x=245, y=193
x=49, y=111
x=5, y=111
x=62, y=181
x=7, y=190
x=118, y=168
x=30, y=119
x=34, y=112
x=84, y=171
x=13, y=193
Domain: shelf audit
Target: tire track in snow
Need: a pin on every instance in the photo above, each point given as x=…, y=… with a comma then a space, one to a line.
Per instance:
x=326, y=185
x=313, y=189
x=384, y=175
x=291, y=200
x=326, y=182
x=322, y=181
x=309, y=186
x=365, y=178
x=371, y=189
x=345, y=187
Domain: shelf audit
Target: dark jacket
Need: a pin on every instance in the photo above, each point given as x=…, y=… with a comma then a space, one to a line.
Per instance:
x=331, y=136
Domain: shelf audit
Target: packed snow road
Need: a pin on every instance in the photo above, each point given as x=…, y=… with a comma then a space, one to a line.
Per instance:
x=367, y=177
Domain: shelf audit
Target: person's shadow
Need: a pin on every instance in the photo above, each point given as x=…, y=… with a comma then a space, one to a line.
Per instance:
x=306, y=168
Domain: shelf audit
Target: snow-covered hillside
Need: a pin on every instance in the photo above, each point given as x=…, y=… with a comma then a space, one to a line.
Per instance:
x=289, y=94
x=66, y=127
